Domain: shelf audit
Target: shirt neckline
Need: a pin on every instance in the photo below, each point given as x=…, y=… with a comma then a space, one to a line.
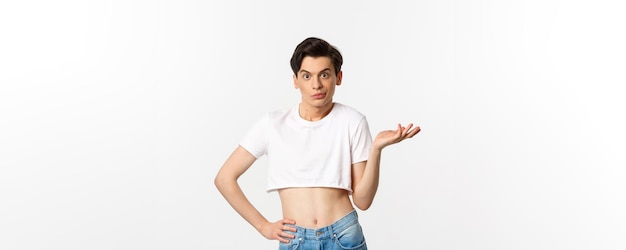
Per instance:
x=296, y=115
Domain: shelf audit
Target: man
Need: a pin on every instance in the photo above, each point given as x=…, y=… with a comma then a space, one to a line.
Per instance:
x=320, y=152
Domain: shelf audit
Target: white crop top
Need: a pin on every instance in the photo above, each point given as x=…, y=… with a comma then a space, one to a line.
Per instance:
x=302, y=153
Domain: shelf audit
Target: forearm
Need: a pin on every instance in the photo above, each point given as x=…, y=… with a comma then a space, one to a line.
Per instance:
x=232, y=192
x=363, y=194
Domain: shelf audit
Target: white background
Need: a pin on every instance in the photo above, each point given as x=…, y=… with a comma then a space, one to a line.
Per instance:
x=116, y=115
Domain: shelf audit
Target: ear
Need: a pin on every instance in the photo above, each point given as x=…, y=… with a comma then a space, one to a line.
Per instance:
x=295, y=81
x=339, y=77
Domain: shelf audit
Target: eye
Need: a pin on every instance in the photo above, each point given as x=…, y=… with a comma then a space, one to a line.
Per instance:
x=306, y=76
x=324, y=75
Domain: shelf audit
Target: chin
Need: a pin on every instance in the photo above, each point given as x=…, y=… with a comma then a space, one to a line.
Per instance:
x=321, y=103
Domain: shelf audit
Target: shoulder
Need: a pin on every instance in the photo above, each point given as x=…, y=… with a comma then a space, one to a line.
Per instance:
x=348, y=112
x=280, y=114
x=270, y=116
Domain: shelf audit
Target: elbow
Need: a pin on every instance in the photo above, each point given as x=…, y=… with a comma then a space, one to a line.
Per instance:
x=219, y=182
x=224, y=182
x=363, y=207
x=216, y=182
x=362, y=204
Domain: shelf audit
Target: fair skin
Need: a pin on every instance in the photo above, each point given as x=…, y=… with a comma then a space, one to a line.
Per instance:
x=310, y=207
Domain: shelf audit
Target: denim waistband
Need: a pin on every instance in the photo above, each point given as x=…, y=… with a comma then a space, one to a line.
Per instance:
x=327, y=231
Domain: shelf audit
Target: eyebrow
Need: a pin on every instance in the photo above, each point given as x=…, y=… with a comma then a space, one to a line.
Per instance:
x=302, y=70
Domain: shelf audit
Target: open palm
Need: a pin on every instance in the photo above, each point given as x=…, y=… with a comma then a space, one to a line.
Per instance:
x=388, y=137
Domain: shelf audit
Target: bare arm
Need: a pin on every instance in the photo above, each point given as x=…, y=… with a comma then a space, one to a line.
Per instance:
x=226, y=182
x=365, y=175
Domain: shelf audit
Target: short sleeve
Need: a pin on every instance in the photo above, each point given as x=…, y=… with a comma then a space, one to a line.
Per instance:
x=361, y=142
x=255, y=140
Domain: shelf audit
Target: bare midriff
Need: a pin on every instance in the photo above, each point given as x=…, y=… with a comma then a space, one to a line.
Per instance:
x=314, y=207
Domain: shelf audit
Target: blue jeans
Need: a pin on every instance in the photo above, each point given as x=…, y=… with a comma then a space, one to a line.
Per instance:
x=345, y=233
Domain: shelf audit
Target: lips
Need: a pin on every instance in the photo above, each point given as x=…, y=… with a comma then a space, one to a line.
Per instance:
x=319, y=95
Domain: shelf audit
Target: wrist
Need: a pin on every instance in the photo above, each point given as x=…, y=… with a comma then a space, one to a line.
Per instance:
x=376, y=149
x=259, y=226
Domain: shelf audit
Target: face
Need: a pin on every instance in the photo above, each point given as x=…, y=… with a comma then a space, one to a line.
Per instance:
x=316, y=81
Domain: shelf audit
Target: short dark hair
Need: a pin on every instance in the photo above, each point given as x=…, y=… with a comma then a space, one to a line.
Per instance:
x=315, y=47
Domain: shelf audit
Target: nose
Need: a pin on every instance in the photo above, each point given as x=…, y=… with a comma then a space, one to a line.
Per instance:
x=317, y=83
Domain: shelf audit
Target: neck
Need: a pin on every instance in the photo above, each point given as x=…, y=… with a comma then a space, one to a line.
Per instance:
x=312, y=113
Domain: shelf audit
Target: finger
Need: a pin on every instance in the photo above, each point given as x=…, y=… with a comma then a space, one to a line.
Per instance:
x=416, y=130
x=285, y=237
x=408, y=128
x=288, y=228
x=288, y=235
x=288, y=221
x=283, y=240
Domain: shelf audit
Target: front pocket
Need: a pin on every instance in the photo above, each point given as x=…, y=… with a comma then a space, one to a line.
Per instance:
x=351, y=237
x=292, y=245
